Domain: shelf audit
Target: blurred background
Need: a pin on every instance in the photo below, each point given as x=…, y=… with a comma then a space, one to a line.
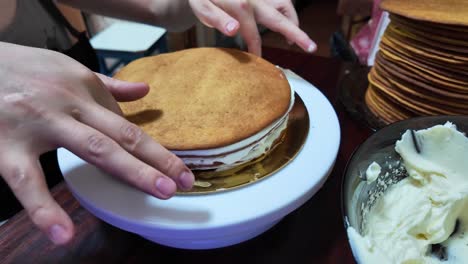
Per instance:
x=321, y=19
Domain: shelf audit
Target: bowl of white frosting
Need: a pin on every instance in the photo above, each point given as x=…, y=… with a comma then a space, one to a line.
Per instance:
x=405, y=193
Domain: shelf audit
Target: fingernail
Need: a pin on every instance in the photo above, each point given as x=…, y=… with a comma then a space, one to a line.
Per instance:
x=165, y=186
x=58, y=234
x=231, y=26
x=312, y=47
x=186, y=180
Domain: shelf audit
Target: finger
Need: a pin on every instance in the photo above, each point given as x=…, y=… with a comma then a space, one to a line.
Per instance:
x=102, y=94
x=124, y=91
x=138, y=143
x=212, y=16
x=277, y=22
x=249, y=32
x=244, y=13
x=103, y=152
x=23, y=174
x=290, y=13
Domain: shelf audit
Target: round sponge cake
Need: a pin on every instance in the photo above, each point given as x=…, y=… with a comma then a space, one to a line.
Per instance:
x=206, y=98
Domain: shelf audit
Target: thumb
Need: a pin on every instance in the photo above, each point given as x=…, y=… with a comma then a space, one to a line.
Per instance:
x=124, y=91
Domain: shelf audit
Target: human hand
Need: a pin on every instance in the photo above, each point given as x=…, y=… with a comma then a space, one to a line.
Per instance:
x=48, y=100
x=231, y=16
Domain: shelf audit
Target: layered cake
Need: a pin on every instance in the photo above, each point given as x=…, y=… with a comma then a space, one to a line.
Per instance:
x=214, y=108
x=421, y=66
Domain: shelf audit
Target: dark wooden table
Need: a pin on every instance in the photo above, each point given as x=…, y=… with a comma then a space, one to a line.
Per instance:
x=314, y=233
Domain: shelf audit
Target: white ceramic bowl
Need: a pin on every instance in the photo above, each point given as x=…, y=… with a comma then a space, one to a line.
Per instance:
x=218, y=219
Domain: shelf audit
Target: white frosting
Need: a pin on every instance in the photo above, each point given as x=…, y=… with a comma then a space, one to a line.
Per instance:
x=422, y=209
x=242, y=156
x=239, y=152
x=373, y=172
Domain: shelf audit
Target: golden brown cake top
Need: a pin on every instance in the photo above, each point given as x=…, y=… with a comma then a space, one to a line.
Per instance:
x=205, y=98
x=452, y=12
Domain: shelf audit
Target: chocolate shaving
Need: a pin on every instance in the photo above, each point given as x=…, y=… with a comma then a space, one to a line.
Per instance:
x=415, y=142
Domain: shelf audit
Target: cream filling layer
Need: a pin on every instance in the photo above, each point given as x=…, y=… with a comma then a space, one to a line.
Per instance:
x=240, y=152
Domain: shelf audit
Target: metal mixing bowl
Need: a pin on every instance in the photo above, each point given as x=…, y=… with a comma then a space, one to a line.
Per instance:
x=357, y=195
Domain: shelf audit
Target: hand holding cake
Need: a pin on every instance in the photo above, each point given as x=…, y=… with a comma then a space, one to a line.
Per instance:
x=54, y=101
